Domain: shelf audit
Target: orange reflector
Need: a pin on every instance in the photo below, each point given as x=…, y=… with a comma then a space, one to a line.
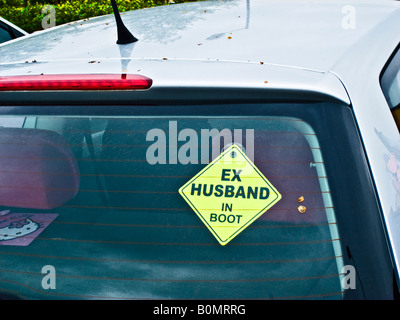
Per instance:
x=75, y=82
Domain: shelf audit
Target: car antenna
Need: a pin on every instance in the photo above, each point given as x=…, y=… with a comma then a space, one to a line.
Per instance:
x=124, y=36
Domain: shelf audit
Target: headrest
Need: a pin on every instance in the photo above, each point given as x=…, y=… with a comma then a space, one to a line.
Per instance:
x=37, y=169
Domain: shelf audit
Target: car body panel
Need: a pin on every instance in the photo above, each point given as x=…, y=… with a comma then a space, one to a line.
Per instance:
x=376, y=124
x=188, y=74
x=221, y=34
x=309, y=37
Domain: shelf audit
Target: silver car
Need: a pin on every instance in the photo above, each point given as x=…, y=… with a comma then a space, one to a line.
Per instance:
x=234, y=149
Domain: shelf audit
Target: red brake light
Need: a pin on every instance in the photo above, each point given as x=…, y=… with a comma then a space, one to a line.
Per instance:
x=75, y=82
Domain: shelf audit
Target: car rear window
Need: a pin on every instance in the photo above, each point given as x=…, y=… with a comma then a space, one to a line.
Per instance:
x=96, y=197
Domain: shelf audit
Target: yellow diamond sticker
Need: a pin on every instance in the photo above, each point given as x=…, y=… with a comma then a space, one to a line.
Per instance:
x=229, y=194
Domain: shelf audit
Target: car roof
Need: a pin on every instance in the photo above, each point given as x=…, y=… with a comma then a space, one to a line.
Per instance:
x=277, y=34
x=304, y=34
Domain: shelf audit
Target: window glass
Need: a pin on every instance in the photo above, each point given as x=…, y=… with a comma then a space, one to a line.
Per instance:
x=8, y=33
x=97, y=198
x=390, y=82
x=4, y=35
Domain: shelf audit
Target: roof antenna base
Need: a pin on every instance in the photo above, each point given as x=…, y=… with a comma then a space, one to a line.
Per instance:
x=124, y=35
